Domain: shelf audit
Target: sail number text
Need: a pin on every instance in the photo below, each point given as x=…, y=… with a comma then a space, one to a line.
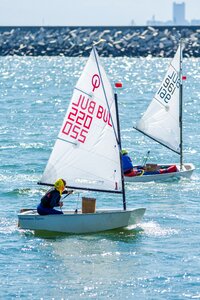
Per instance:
x=168, y=87
x=81, y=115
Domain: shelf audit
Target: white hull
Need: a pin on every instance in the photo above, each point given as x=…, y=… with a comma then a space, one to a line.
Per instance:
x=186, y=172
x=79, y=223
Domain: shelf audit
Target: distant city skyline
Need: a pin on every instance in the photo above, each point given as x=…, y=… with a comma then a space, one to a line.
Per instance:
x=178, y=17
x=90, y=12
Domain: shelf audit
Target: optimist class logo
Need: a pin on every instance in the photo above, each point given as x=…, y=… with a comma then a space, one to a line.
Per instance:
x=95, y=81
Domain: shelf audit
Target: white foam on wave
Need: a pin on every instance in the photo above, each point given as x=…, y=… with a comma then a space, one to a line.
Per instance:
x=24, y=146
x=8, y=147
x=154, y=229
x=7, y=227
x=18, y=178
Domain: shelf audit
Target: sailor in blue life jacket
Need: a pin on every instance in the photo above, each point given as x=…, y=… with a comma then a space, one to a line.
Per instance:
x=53, y=199
x=126, y=162
x=128, y=168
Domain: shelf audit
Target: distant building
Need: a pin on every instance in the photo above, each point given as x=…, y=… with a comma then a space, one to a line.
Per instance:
x=154, y=22
x=195, y=22
x=178, y=17
x=132, y=22
x=179, y=14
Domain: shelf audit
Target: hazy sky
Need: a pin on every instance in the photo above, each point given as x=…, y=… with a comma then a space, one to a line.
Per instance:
x=90, y=12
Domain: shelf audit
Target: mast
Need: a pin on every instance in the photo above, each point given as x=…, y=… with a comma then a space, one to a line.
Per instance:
x=118, y=130
x=120, y=148
x=181, y=108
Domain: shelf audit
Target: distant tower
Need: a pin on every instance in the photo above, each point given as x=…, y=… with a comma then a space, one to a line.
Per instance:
x=132, y=22
x=179, y=14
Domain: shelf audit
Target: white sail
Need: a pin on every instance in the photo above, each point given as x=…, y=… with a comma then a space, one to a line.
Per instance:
x=161, y=119
x=86, y=152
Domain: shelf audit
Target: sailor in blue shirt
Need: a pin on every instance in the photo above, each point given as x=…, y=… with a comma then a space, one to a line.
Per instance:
x=126, y=162
x=53, y=199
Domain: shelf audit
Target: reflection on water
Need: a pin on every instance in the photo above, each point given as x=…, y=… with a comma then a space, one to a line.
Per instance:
x=122, y=234
x=157, y=260
x=127, y=235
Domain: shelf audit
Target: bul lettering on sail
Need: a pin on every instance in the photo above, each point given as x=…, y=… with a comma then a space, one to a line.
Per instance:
x=103, y=114
x=169, y=86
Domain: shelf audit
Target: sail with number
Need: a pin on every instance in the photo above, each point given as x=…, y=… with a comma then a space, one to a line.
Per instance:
x=86, y=152
x=161, y=120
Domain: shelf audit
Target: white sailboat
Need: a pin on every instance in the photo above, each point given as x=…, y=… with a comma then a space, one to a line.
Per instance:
x=87, y=156
x=162, y=122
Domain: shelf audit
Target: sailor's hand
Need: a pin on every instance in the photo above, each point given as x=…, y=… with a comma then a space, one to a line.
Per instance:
x=70, y=192
x=67, y=192
x=60, y=203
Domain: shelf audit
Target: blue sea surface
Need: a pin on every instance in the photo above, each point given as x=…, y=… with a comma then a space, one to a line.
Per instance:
x=158, y=260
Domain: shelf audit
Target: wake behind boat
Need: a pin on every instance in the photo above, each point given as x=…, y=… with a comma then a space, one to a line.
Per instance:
x=90, y=126
x=162, y=122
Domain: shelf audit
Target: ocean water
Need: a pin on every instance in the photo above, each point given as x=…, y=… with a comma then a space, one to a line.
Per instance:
x=158, y=260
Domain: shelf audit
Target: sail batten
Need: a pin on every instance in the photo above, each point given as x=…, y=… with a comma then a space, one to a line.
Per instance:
x=67, y=141
x=82, y=91
x=161, y=120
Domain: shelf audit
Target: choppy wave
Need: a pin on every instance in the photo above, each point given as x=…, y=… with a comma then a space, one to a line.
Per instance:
x=19, y=178
x=24, y=191
x=154, y=229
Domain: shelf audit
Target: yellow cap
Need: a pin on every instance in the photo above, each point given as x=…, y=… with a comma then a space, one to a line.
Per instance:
x=60, y=185
x=124, y=151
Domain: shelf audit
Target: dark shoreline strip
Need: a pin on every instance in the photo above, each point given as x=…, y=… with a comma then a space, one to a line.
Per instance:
x=131, y=41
